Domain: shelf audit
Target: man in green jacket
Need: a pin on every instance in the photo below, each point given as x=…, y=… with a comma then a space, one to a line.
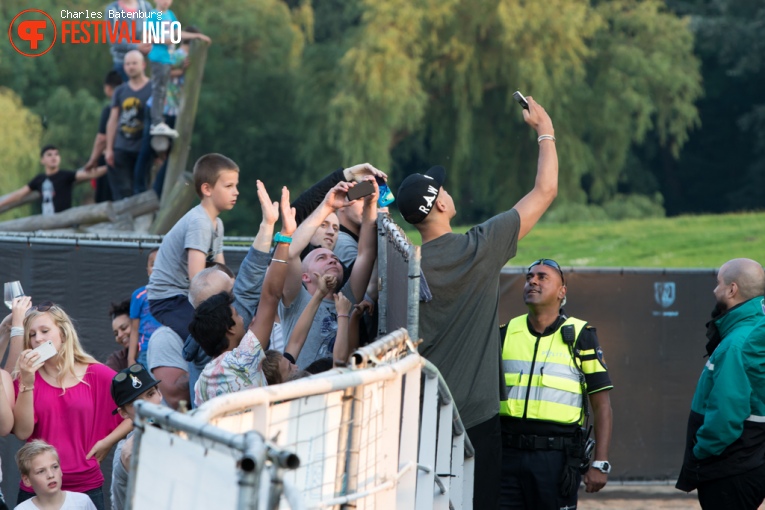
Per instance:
x=725, y=447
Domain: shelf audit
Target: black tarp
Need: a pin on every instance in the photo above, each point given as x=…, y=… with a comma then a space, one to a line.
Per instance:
x=650, y=324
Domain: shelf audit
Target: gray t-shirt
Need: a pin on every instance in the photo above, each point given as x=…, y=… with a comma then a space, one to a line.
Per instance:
x=346, y=248
x=195, y=231
x=323, y=331
x=460, y=326
x=119, y=477
x=132, y=105
x=165, y=350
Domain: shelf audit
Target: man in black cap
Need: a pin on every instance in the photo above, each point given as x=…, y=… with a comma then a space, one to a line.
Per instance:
x=131, y=384
x=460, y=327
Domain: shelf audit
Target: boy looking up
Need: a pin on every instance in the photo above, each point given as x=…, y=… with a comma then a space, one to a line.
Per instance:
x=40, y=468
x=197, y=239
x=133, y=383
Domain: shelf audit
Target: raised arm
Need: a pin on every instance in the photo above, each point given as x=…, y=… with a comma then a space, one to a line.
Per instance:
x=273, y=283
x=312, y=197
x=365, y=260
x=531, y=207
x=334, y=200
x=303, y=325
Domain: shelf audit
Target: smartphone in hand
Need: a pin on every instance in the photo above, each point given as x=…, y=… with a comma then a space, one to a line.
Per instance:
x=360, y=190
x=46, y=351
x=521, y=100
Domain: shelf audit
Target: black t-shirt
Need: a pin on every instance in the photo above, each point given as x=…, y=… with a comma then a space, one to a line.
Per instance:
x=62, y=181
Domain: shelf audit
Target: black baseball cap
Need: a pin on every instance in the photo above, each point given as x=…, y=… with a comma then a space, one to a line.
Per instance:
x=417, y=194
x=131, y=383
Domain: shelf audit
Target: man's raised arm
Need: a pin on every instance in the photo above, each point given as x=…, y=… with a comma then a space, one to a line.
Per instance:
x=531, y=207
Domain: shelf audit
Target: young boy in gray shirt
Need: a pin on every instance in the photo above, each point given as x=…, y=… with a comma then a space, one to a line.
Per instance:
x=195, y=241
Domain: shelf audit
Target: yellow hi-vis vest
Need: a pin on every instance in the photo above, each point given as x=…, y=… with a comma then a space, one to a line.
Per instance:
x=543, y=383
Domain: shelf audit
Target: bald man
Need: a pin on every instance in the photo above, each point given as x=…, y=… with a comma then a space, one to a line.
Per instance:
x=125, y=126
x=725, y=444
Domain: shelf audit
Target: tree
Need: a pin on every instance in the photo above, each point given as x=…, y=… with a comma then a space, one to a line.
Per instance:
x=20, y=134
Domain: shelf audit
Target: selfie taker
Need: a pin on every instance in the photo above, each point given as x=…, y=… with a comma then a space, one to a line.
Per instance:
x=459, y=325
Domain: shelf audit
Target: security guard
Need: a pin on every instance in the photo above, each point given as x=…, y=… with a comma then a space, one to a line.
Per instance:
x=551, y=360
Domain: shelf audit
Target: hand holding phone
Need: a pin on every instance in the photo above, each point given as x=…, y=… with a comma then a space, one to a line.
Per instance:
x=360, y=190
x=46, y=351
x=521, y=100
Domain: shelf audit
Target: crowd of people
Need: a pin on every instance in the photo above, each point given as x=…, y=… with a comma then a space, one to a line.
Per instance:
x=530, y=393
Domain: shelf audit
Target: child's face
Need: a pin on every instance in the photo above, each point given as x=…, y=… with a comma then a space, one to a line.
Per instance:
x=50, y=158
x=225, y=191
x=153, y=395
x=121, y=329
x=44, y=475
x=150, y=262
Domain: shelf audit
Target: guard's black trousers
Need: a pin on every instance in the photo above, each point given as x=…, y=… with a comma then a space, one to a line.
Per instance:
x=531, y=480
x=742, y=492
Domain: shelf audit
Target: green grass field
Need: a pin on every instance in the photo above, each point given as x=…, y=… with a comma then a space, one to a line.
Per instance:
x=705, y=241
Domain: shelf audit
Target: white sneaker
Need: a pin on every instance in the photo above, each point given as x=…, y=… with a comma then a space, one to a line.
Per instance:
x=163, y=129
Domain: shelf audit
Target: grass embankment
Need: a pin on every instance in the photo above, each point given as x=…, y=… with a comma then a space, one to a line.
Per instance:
x=704, y=241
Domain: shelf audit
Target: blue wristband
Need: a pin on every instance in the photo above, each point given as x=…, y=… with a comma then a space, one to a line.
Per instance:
x=280, y=238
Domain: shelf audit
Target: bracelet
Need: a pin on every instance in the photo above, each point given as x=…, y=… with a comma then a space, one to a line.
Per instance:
x=279, y=260
x=343, y=315
x=281, y=238
x=23, y=388
x=545, y=137
x=17, y=331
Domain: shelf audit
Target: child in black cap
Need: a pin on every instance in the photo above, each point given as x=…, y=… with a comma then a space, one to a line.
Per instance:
x=131, y=384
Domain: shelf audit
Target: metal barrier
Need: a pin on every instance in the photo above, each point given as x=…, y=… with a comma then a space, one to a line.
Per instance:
x=399, y=302
x=381, y=434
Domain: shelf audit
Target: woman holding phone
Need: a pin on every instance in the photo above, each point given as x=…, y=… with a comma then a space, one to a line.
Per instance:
x=70, y=388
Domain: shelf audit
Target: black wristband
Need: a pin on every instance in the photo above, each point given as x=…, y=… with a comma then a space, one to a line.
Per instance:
x=289, y=357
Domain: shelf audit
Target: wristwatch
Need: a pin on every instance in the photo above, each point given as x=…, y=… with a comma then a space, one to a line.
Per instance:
x=602, y=465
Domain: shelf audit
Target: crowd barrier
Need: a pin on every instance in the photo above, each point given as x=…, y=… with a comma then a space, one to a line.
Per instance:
x=381, y=434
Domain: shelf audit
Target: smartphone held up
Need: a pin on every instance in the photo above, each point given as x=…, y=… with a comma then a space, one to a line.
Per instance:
x=521, y=99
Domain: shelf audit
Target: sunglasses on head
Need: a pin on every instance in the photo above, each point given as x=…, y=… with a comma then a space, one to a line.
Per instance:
x=134, y=369
x=42, y=307
x=549, y=263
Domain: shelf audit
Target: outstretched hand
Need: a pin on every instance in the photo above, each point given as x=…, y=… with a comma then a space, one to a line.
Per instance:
x=336, y=197
x=536, y=116
x=289, y=224
x=358, y=172
x=19, y=309
x=270, y=209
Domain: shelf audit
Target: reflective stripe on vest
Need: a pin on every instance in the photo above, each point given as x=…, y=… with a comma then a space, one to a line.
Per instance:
x=554, y=390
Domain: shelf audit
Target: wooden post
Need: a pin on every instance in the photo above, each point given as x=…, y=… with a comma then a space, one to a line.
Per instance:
x=137, y=205
x=175, y=188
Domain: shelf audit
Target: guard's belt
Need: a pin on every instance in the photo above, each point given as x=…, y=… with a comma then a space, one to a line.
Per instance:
x=529, y=442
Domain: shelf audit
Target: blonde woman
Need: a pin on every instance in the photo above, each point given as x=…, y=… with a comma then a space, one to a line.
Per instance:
x=64, y=400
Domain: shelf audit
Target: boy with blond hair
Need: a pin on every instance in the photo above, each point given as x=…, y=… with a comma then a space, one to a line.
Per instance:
x=40, y=468
x=195, y=241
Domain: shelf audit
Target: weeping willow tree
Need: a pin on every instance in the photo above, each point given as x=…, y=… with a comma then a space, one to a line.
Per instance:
x=405, y=84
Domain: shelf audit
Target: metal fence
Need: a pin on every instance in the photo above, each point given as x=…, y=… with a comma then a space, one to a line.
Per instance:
x=381, y=434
